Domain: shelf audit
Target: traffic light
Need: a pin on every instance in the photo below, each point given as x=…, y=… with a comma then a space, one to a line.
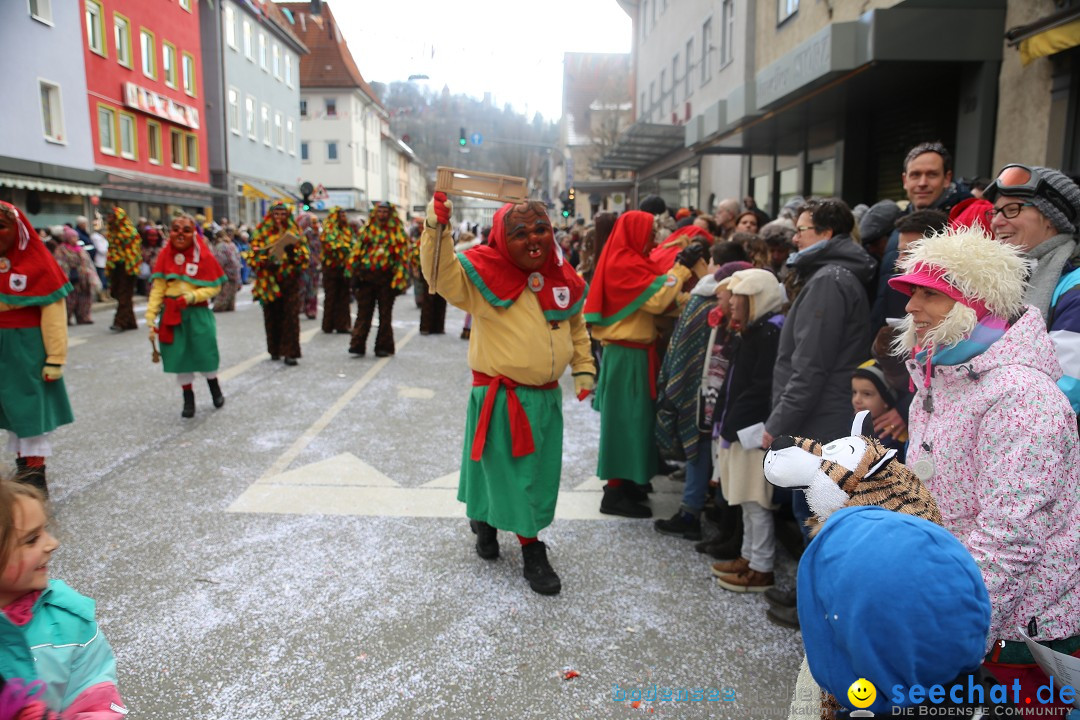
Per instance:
x=461, y=140
x=306, y=189
x=566, y=210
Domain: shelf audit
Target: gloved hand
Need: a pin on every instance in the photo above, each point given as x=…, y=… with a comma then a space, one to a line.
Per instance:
x=153, y=330
x=189, y=298
x=584, y=383
x=691, y=255
x=52, y=373
x=439, y=208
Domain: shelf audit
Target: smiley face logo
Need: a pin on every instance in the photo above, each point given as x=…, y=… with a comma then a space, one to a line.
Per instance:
x=862, y=693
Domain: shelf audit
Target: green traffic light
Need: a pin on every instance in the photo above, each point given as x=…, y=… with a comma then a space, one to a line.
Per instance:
x=566, y=213
x=461, y=142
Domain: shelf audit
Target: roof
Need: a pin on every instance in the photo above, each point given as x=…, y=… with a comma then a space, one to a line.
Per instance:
x=328, y=64
x=269, y=14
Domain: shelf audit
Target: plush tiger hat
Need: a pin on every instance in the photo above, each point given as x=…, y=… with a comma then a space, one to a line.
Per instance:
x=849, y=471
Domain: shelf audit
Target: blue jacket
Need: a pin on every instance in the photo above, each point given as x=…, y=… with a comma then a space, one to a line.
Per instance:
x=62, y=646
x=1064, y=327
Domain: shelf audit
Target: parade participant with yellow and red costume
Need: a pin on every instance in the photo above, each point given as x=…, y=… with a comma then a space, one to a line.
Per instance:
x=122, y=267
x=337, y=248
x=379, y=269
x=279, y=254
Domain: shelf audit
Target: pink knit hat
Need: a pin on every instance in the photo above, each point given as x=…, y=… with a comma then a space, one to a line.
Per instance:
x=934, y=277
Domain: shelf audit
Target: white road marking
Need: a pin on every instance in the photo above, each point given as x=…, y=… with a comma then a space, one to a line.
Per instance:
x=416, y=393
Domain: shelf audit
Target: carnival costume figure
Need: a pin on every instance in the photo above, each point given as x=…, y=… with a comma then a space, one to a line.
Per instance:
x=379, y=268
x=279, y=255
x=122, y=267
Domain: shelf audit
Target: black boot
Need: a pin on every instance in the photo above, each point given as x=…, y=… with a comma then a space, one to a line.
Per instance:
x=487, y=542
x=189, y=404
x=215, y=392
x=728, y=544
x=538, y=571
x=33, y=476
x=617, y=502
x=682, y=524
x=637, y=493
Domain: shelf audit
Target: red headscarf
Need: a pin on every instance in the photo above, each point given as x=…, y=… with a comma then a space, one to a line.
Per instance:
x=664, y=256
x=624, y=277
x=559, y=289
x=32, y=275
x=196, y=265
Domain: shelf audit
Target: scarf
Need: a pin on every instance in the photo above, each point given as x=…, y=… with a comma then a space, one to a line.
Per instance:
x=383, y=248
x=987, y=332
x=125, y=246
x=625, y=278
x=558, y=288
x=268, y=272
x=337, y=240
x=29, y=275
x=196, y=265
x=1050, y=257
x=664, y=255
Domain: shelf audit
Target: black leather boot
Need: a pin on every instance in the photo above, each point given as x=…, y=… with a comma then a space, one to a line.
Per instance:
x=189, y=404
x=617, y=502
x=487, y=542
x=728, y=544
x=215, y=392
x=538, y=571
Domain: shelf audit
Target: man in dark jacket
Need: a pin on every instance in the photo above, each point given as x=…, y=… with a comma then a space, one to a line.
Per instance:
x=825, y=337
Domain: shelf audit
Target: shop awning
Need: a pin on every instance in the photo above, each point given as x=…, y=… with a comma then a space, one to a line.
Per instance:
x=1046, y=36
x=641, y=145
x=255, y=190
x=24, y=182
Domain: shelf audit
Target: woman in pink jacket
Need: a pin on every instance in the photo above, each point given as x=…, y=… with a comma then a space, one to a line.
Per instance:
x=995, y=440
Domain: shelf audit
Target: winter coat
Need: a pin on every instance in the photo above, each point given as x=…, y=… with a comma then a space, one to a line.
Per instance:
x=826, y=335
x=748, y=386
x=1002, y=441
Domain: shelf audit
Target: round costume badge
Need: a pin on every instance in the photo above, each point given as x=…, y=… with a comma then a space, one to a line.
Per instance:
x=5, y=264
x=536, y=282
x=178, y=258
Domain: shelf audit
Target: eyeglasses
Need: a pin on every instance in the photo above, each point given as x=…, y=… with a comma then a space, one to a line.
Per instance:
x=1022, y=181
x=1009, y=210
x=800, y=229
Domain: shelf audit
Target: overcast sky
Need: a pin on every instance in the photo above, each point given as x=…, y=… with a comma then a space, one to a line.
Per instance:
x=505, y=47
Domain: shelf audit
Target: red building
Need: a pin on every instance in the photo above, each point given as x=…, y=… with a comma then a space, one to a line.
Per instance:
x=145, y=89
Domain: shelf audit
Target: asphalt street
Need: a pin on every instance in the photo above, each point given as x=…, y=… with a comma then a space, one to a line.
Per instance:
x=299, y=553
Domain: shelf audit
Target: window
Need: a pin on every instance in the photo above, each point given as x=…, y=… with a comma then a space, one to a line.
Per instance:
x=230, y=26
x=706, y=47
x=303, y=108
x=95, y=28
x=191, y=143
x=249, y=117
x=52, y=112
x=279, y=131
x=727, y=33
x=122, y=36
x=149, y=62
x=41, y=10
x=187, y=67
x=290, y=136
x=785, y=9
x=688, y=90
x=674, y=80
x=153, y=141
x=168, y=63
x=331, y=151
x=128, y=137
x=176, y=148
x=288, y=70
x=264, y=115
x=275, y=59
x=247, y=40
x=106, y=129
x=262, y=50
x=331, y=107
x=303, y=151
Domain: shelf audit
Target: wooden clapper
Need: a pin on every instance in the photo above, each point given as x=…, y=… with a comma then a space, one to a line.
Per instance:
x=486, y=186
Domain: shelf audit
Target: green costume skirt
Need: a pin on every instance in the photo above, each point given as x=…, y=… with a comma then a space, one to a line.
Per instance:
x=194, y=345
x=627, y=416
x=517, y=494
x=29, y=406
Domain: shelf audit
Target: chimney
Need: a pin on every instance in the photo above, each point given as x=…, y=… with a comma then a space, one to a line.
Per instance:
x=316, y=7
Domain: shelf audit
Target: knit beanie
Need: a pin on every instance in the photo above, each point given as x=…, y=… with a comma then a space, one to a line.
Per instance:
x=1068, y=190
x=878, y=221
x=892, y=598
x=871, y=371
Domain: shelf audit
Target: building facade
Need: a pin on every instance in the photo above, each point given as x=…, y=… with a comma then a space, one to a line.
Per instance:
x=46, y=150
x=144, y=78
x=342, y=121
x=253, y=119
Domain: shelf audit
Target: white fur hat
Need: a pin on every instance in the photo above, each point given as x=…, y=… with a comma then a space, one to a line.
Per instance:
x=762, y=289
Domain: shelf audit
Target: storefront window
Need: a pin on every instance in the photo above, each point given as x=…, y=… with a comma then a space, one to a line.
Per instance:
x=823, y=178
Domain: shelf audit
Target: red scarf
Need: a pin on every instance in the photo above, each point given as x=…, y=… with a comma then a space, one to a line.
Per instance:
x=558, y=287
x=196, y=265
x=29, y=274
x=624, y=277
x=664, y=256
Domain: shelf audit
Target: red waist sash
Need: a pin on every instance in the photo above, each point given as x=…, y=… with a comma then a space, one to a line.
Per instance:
x=521, y=439
x=653, y=360
x=21, y=317
x=173, y=316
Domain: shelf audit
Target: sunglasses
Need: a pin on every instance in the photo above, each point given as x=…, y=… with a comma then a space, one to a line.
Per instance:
x=1022, y=181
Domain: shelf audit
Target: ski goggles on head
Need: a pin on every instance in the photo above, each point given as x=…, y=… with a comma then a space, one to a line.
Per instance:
x=1018, y=180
